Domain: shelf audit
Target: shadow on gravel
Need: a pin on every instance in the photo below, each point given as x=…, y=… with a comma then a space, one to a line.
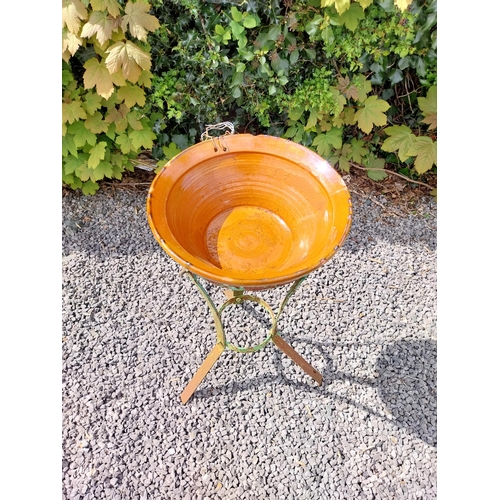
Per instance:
x=405, y=382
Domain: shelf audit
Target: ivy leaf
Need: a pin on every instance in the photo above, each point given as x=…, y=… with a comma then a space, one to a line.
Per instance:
x=428, y=107
x=96, y=124
x=97, y=154
x=73, y=111
x=132, y=94
x=352, y=16
x=92, y=102
x=73, y=13
x=81, y=134
x=142, y=138
x=400, y=139
x=325, y=142
x=112, y=6
x=97, y=75
x=296, y=113
x=425, y=151
x=138, y=20
x=129, y=58
x=375, y=168
x=372, y=113
x=402, y=4
x=101, y=25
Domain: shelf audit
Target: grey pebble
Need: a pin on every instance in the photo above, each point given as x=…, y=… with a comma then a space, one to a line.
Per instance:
x=135, y=332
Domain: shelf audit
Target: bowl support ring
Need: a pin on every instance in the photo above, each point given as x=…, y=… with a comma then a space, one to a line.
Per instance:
x=237, y=296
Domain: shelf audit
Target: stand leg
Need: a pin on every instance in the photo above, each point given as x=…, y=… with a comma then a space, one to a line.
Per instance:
x=297, y=358
x=209, y=361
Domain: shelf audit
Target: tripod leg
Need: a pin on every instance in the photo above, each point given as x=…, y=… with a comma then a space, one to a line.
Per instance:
x=209, y=361
x=297, y=358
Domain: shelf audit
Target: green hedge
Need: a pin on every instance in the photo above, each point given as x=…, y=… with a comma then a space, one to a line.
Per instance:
x=353, y=80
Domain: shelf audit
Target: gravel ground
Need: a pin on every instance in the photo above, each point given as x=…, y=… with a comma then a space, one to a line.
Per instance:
x=135, y=331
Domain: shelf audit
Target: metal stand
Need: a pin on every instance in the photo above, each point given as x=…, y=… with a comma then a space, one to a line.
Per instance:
x=237, y=296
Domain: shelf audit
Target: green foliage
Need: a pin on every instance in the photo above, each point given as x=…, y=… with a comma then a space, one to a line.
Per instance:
x=353, y=80
x=104, y=78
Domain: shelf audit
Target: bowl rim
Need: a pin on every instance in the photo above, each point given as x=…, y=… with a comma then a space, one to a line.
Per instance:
x=250, y=283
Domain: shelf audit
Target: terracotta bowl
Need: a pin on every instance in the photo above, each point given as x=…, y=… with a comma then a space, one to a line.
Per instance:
x=249, y=211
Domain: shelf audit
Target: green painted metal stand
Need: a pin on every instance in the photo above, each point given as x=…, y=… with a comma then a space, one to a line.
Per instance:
x=237, y=297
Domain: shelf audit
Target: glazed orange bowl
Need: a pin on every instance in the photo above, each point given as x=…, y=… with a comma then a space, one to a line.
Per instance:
x=249, y=211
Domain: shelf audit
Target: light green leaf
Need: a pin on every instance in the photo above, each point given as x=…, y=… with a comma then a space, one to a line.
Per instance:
x=400, y=139
x=296, y=113
x=251, y=21
x=236, y=14
x=125, y=143
x=97, y=154
x=351, y=17
x=96, y=124
x=68, y=146
x=428, y=107
x=104, y=169
x=425, y=151
x=325, y=142
x=358, y=151
x=171, y=151
x=142, y=138
x=81, y=134
x=372, y=113
x=92, y=102
x=89, y=188
x=132, y=94
x=375, y=168
x=73, y=111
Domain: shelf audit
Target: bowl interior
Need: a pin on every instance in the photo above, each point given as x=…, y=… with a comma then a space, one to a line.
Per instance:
x=265, y=212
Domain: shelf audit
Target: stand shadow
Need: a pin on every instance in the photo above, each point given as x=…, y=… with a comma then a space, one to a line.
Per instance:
x=405, y=380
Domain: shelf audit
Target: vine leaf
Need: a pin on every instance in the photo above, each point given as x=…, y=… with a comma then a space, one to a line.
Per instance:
x=97, y=75
x=96, y=124
x=325, y=142
x=352, y=16
x=350, y=91
x=81, y=134
x=372, y=113
x=132, y=94
x=365, y=3
x=73, y=13
x=138, y=20
x=73, y=111
x=125, y=143
x=375, y=168
x=104, y=169
x=358, y=150
x=428, y=106
x=400, y=139
x=142, y=138
x=402, y=4
x=129, y=58
x=112, y=6
x=92, y=102
x=101, y=25
x=425, y=151
x=340, y=5
x=70, y=43
x=96, y=154
x=118, y=117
